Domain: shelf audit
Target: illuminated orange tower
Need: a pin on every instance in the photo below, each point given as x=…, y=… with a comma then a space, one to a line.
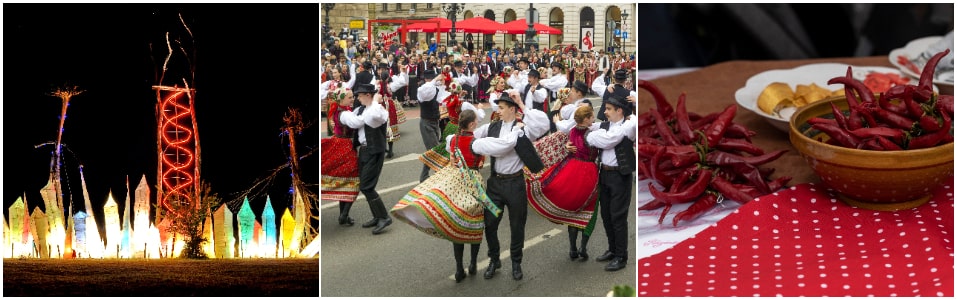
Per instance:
x=178, y=153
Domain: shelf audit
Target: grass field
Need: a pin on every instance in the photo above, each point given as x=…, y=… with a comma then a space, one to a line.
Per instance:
x=167, y=277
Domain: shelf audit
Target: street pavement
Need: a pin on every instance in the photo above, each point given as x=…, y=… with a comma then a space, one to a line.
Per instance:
x=403, y=261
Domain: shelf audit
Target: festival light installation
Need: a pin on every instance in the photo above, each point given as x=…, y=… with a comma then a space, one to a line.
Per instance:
x=287, y=228
x=113, y=235
x=178, y=146
x=210, y=245
x=125, y=234
x=17, y=239
x=40, y=229
x=269, y=226
x=141, y=220
x=94, y=243
x=79, y=227
x=57, y=234
x=246, y=227
x=223, y=232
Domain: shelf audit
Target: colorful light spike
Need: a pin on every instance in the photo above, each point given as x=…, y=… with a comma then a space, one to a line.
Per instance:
x=269, y=226
x=113, y=234
x=287, y=228
x=6, y=237
x=94, y=243
x=125, y=235
x=17, y=213
x=223, y=231
x=246, y=226
x=296, y=244
x=79, y=229
x=41, y=231
x=54, y=216
x=141, y=219
x=153, y=243
x=210, y=244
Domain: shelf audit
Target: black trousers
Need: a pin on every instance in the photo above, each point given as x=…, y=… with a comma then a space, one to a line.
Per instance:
x=431, y=133
x=509, y=195
x=370, y=167
x=614, y=200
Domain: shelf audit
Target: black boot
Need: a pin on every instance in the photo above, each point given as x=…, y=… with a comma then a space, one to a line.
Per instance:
x=458, y=250
x=389, y=153
x=572, y=239
x=492, y=266
x=583, y=252
x=381, y=214
x=473, y=265
x=375, y=216
x=517, y=270
x=344, y=218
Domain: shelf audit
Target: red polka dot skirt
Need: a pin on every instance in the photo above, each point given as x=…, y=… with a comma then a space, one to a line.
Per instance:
x=802, y=241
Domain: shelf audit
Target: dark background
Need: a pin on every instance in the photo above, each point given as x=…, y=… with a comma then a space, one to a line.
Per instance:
x=701, y=34
x=252, y=62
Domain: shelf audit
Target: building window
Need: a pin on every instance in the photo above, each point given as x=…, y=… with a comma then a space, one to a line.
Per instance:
x=385, y=7
x=587, y=17
x=428, y=5
x=398, y=6
x=413, y=6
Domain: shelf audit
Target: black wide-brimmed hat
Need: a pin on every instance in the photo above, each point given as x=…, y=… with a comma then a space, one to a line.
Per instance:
x=383, y=66
x=524, y=60
x=621, y=74
x=364, y=88
x=505, y=97
x=580, y=86
x=457, y=63
x=430, y=74
x=559, y=65
x=535, y=73
x=619, y=102
x=367, y=65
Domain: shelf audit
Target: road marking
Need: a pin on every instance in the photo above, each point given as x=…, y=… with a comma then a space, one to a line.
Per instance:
x=505, y=254
x=407, y=157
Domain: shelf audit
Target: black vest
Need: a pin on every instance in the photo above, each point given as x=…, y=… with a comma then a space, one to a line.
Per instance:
x=375, y=138
x=493, y=131
x=430, y=109
x=523, y=147
x=619, y=90
x=539, y=106
x=624, y=153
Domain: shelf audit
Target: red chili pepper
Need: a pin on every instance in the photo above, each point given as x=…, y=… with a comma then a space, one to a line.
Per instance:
x=680, y=181
x=715, y=132
x=751, y=174
x=699, y=207
x=860, y=88
x=929, y=124
x=663, y=106
x=838, y=116
x=721, y=158
x=704, y=121
x=649, y=141
x=927, y=76
x=848, y=92
x=684, y=159
x=645, y=119
x=934, y=138
x=725, y=188
x=664, y=213
x=738, y=131
x=885, y=103
x=654, y=204
x=685, y=134
x=893, y=119
x=841, y=136
x=655, y=170
x=817, y=120
x=854, y=120
x=774, y=185
x=946, y=102
x=878, y=131
x=729, y=144
x=887, y=144
x=663, y=130
x=648, y=150
x=871, y=144
x=692, y=192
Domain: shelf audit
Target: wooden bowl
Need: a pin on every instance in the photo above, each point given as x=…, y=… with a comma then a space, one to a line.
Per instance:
x=878, y=180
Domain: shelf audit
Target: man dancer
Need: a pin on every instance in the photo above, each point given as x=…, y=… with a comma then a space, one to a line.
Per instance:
x=428, y=97
x=604, y=91
x=533, y=94
x=371, y=120
x=506, y=185
x=615, y=138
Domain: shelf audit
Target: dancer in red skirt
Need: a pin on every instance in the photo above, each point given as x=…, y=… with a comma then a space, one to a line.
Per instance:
x=339, y=167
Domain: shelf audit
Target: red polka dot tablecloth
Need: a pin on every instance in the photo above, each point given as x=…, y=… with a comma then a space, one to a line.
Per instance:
x=802, y=241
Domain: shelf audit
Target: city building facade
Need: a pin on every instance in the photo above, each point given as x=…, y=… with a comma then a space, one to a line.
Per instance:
x=582, y=25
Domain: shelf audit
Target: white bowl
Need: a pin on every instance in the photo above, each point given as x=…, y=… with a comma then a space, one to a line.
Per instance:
x=912, y=50
x=819, y=74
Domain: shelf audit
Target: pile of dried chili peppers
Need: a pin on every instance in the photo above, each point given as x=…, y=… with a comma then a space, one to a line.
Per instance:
x=905, y=117
x=700, y=159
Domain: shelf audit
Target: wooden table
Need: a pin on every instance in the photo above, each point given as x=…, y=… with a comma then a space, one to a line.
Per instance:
x=711, y=89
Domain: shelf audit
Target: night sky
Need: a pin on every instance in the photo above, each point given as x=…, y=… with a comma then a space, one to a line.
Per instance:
x=252, y=62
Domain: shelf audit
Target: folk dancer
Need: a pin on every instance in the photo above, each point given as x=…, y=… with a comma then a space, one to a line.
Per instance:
x=436, y=158
x=496, y=91
x=533, y=94
x=428, y=96
x=329, y=86
x=371, y=120
x=340, y=170
x=615, y=138
x=605, y=91
x=446, y=206
x=386, y=88
x=506, y=186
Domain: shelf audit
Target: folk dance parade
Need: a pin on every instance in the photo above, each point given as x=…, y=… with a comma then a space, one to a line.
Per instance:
x=546, y=148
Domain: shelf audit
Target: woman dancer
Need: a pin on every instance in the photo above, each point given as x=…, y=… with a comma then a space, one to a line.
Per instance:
x=436, y=158
x=447, y=205
x=340, y=170
x=331, y=85
x=496, y=91
x=565, y=193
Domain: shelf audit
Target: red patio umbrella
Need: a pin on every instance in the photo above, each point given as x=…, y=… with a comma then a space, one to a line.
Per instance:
x=479, y=25
x=519, y=26
x=445, y=25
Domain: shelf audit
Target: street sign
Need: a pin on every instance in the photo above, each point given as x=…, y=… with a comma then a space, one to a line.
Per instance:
x=625, y=35
x=357, y=24
x=617, y=32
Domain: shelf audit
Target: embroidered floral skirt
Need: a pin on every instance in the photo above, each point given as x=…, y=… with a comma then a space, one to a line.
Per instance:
x=340, y=170
x=444, y=206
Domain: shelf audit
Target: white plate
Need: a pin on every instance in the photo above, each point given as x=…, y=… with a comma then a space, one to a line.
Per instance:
x=819, y=74
x=912, y=50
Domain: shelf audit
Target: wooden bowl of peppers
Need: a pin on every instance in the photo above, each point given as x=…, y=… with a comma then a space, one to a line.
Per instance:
x=882, y=151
